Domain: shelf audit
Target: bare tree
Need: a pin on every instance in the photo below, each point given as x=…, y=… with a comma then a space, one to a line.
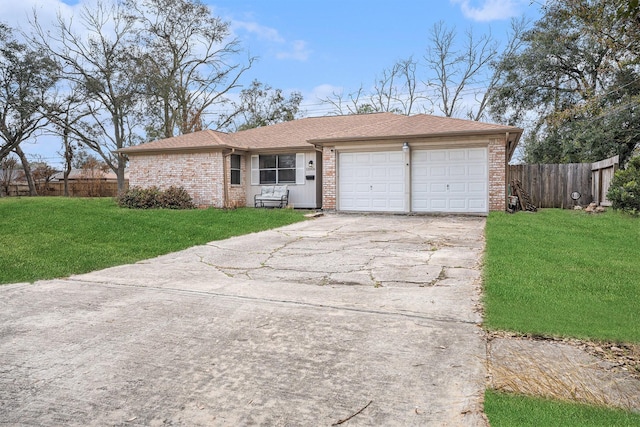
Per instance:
x=26, y=78
x=65, y=114
x=395, y=90
x=189, y=63
x=455, y=70
x=262, y=105
x=99, y=56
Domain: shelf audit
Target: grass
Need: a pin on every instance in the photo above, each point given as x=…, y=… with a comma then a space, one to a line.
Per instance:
x=563, y=273
x=49, y=237
x=506, y=410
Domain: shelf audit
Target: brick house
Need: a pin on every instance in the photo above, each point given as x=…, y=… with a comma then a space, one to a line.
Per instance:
x=379, y=162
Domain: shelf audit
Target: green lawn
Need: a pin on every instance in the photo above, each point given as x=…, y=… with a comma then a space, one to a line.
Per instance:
x=508, y=410
x=561, y=273
x=564, y=273
x=49, y=237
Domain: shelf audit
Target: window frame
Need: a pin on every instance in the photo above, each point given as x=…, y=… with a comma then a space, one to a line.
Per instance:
x=238, y=170
x=264, y=168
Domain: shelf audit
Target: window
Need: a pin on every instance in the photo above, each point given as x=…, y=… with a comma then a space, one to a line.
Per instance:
x=277, y=169
x=235, y=169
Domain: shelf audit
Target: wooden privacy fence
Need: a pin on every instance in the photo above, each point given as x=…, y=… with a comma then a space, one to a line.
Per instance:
x=77, y=188
x=551, y=185
x=602, y=173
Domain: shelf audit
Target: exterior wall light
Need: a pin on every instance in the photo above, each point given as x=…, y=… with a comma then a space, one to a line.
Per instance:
x=405, y=147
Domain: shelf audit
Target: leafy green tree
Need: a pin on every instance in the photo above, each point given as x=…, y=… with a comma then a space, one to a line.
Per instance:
x=99, y=54
x=574, y=82
x=261, y=105
x=27, y=77
x=189, y=63
x=624, y=191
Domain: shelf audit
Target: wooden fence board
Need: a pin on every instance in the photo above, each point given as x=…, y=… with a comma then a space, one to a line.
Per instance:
x=551, y=185
x=77, y=188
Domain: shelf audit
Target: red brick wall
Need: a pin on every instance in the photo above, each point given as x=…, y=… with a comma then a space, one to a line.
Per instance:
x=497, y=175
x=328, y=178
x=198, y=173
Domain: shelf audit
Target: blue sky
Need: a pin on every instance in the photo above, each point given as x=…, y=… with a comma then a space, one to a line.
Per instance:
x=318, y=47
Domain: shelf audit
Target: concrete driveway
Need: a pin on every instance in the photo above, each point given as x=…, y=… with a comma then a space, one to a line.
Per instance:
x=350, y=320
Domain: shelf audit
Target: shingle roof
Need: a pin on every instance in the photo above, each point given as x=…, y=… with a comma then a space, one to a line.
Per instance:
x=202, y=139
x=299, y=133
x=417, y=125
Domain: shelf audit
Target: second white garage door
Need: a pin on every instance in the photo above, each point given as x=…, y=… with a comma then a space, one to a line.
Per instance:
x=451, y=180
x=371, y=181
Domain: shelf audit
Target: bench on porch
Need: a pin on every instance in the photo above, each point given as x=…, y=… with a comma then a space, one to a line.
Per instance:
x=275, y=194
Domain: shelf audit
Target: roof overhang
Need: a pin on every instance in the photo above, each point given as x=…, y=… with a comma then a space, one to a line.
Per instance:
x=141, y=149
x=511, y=136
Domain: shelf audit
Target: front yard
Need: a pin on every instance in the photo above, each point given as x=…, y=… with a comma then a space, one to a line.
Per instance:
x=552, y=274
x=564, y=273
x=48, y=237
x=559, y=273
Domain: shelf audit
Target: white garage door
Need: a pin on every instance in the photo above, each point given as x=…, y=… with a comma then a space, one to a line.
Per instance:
x=452, y=180
x=372, y=182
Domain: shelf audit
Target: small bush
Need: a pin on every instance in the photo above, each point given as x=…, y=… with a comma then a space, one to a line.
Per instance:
x=624, y=192
x=154, y=198
x=175, y=198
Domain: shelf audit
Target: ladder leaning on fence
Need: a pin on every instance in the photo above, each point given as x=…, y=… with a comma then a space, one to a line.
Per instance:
x=524, y=200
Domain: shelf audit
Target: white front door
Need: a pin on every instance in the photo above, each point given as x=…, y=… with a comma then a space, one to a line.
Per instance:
x=450, y=180
x=371, y=181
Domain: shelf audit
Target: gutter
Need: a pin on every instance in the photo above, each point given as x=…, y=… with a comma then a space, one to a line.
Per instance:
x=225, y=178
x=322, y=141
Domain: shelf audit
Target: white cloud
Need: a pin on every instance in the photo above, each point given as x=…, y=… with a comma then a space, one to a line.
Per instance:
x=323, y=91
x=261, y=31
x=18, y=13
x=489, y=10
x=298, y=51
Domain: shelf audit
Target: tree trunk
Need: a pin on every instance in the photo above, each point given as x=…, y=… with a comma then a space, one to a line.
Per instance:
x=68, y=158
x=122, y=163
x=27, y=171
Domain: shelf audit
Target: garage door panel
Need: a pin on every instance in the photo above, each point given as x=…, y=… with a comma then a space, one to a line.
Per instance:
x=458, y=187
x=479, y=154
x=437, y=187
x=457, y=155
x=449, y=180
x=477, y=170
x=477, y=204
x=437, y=171
x=477, y=187
x=436, y=156
x=371, y=181
x=458, y=171
x=457, y=203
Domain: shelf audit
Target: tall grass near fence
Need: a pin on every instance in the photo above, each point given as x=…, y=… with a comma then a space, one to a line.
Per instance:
x=46, y=237
x=564, y=273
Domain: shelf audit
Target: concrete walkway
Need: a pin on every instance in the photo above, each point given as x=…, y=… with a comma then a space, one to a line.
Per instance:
x=364, y=320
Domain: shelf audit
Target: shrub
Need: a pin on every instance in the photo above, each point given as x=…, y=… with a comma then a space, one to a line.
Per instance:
x=624, y=192
x=175, y=198
x=153, y=198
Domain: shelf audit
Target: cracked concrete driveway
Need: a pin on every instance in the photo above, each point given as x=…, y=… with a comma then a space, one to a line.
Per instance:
x=365, y=320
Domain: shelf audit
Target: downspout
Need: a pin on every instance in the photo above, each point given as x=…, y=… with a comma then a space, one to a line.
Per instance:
x=225, y=179
x=507, y=176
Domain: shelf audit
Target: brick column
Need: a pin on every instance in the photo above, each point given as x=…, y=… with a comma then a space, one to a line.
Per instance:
x=328, y=178
x=497, y=175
